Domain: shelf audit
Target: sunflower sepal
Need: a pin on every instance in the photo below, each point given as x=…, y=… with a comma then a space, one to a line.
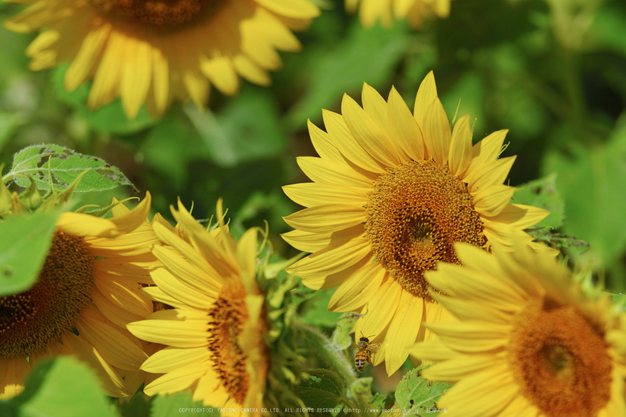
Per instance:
x=99, y=211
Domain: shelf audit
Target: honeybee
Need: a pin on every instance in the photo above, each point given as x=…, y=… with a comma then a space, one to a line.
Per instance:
x=364, y=353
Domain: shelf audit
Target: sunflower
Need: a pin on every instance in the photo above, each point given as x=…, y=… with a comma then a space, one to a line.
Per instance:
x=214, y=333
x=87, y=291
x=415, y=11
x=391, y=193
x=528, y=341
x=154, y=51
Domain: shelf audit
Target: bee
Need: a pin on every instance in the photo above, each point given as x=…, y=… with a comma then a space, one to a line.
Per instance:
x=364, y=353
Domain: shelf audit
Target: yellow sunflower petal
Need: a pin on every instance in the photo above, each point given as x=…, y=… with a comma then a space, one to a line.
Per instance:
x=496, y=173
x=176, y=328
x=403, y=331
x=175, y=381
x=84, y=62
x=426, y=95
x=490, y=201
x=178, y=289
x=403, y=126
x=358, y=289
x=326, y=218
x=169, y=359
x=332, y=259
x=432, y=350
x=343, y=139
x=117, y=349
x=328, y=171
x=310, y=194
x=519, y=216
x=291, y=8
x=383, y=305
x=460, y=155
x=323, y=145
x=493, y=386
x=136, y=76
x=455, y=369
x=437, y=134
x=471, y=337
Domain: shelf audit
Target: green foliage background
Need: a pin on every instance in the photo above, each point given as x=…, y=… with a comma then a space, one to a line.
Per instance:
x=553, y=72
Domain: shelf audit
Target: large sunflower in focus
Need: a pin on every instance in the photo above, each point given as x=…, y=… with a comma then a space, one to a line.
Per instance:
x=214, y=333
x=386, y=11
x=154, y=51
x=391, y=194
x=87, y=291
x=528, y=341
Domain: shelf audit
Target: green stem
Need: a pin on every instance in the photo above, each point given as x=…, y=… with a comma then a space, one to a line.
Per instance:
x=321, y=346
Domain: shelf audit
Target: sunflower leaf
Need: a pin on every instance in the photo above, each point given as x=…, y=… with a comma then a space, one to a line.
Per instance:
x=57, y=165
x=61, y=387
x=25, y=242
x=323, y=390
x=415, y=394
x=542, y=193
x=170, y=405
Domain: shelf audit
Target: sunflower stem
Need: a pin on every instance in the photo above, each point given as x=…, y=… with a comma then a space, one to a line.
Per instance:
x=320, y=345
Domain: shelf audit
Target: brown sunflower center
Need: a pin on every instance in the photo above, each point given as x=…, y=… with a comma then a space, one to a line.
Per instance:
x=561, y=360
x=228, y=316
x=32, y=320
x=416, y=212
x=165, y=15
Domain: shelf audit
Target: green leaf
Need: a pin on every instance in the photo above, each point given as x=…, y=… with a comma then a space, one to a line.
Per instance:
x=415, y=394
x=619, y=302
x=341, y=335
x=323, y=390
x=364, y=55
x=9, y=122
x=24, y=246
x=247, y=129
x=61, y=166
x=181, y=404
x=315, y=309
x=172, y=145
x=467, y=97
x=591, y=181
x=137, y=406
x=543, y=193
x=61, y=387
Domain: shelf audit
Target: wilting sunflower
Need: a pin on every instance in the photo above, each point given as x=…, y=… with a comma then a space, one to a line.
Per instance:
x=154, y=51
x=87, y=291
x=214, y=333
x=386, y=11
x=528, y=341
x=392, y=193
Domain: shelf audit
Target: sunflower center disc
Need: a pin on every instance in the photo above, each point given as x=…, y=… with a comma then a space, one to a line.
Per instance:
x=416, y=212
x=163, y=15
x=32, y=320
x=561, y=360
x=228, y=316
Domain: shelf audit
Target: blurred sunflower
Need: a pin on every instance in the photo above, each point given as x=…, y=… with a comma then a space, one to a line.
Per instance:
x=214, y=333
x=87, y=291
x=385, y=11
x=154, y=51
x=392, y=193
x=528, y=341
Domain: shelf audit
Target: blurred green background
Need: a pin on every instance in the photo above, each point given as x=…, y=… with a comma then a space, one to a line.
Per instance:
x=552, y=72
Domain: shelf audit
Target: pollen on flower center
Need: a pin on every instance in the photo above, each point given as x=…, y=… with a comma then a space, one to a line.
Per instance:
x=560, y=359
x=228, y=316
x=415, y=214
x=163, y=15
x=32, y=320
